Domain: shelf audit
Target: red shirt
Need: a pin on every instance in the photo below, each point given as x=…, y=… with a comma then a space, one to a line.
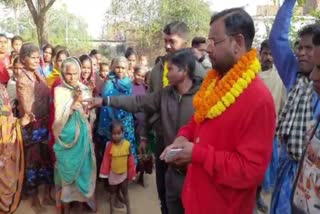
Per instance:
x=230, y=155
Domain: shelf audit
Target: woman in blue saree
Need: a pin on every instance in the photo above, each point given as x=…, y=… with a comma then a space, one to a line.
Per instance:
x=75, y=167
x=118, y=83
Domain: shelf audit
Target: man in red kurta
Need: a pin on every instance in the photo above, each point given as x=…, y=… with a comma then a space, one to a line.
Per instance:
x=228, y=147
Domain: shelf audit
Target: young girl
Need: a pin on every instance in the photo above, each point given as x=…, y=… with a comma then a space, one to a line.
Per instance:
x=101, y=77
x=139, y=88
x=117, y=84
x=87, y=75
x=118, y=165
x=16, y=43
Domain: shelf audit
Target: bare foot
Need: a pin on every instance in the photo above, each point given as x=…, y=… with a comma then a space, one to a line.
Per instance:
x=141, y=180
x=36, y=206
x=48, y=201
x=78, y=207
x=118, y=205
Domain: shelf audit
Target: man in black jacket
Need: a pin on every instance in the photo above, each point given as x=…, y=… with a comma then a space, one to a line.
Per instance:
x=174, y=106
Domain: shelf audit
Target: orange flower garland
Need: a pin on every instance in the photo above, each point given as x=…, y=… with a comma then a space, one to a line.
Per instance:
x=218, y=93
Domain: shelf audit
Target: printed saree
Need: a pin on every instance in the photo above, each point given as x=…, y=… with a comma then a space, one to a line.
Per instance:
x=11, y=156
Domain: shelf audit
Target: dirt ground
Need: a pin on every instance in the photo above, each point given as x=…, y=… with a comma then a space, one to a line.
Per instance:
x=143, y=200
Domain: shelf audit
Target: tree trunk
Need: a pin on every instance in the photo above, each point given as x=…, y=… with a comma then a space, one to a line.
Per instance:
x=39, y=13
x=42, y=30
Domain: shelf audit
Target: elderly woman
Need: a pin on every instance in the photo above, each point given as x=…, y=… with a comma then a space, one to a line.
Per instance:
x=75, y=167
x=117, y=84
x=33, y=96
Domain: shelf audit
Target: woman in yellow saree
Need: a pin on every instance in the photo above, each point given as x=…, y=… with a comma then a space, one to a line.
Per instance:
x=11, y=155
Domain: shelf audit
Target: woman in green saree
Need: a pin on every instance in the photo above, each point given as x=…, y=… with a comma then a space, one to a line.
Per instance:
x=75, y=167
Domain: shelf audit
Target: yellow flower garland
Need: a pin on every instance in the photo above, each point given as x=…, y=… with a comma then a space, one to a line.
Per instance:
x=218, y=93
x=165, y=81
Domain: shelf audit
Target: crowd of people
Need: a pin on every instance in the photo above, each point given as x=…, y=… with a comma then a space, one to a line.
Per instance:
x=223, y=122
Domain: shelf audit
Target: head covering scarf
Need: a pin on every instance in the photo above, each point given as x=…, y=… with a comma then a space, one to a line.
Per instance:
x=75, y=160
x=65, y=99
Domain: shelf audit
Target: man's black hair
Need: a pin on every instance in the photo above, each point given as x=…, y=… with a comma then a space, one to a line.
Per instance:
x=316, y=38
x=179, y=28
x=196, y=41
x=265, y=45
x=184, y=59
x=237, y=21
x=309, y=30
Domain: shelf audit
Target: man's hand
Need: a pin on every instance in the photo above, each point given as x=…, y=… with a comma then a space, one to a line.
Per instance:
x=94, y=102
x=184, y=156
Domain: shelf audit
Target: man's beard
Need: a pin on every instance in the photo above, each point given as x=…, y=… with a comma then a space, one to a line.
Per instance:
x=266, y=66
x=223, y=68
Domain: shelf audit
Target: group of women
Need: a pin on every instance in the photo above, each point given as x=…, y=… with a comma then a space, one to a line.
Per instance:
x=48, y=136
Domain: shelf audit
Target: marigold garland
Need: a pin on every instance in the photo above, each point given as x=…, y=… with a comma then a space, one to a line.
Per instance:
x=165, y=81
x=218, y=93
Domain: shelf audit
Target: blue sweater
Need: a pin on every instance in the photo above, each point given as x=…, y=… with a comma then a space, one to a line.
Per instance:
x=283, y=55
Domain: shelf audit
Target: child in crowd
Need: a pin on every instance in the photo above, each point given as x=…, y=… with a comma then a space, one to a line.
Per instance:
x=139, y=88
x=118, y=165
x=101, y=77
x=143, y=60
x=147, y=79
x=16, y=43
x=131, y=56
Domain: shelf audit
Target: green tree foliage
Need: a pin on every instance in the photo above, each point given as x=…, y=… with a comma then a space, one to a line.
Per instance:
x=64, y=29
x=144, y=20
x=38, y=10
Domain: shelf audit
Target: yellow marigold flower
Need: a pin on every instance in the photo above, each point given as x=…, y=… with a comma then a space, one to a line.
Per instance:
x=235, y=92
x=242, y=83
x=251, y=74
x=230, y=98
x=218, y=93
x=225, y=101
